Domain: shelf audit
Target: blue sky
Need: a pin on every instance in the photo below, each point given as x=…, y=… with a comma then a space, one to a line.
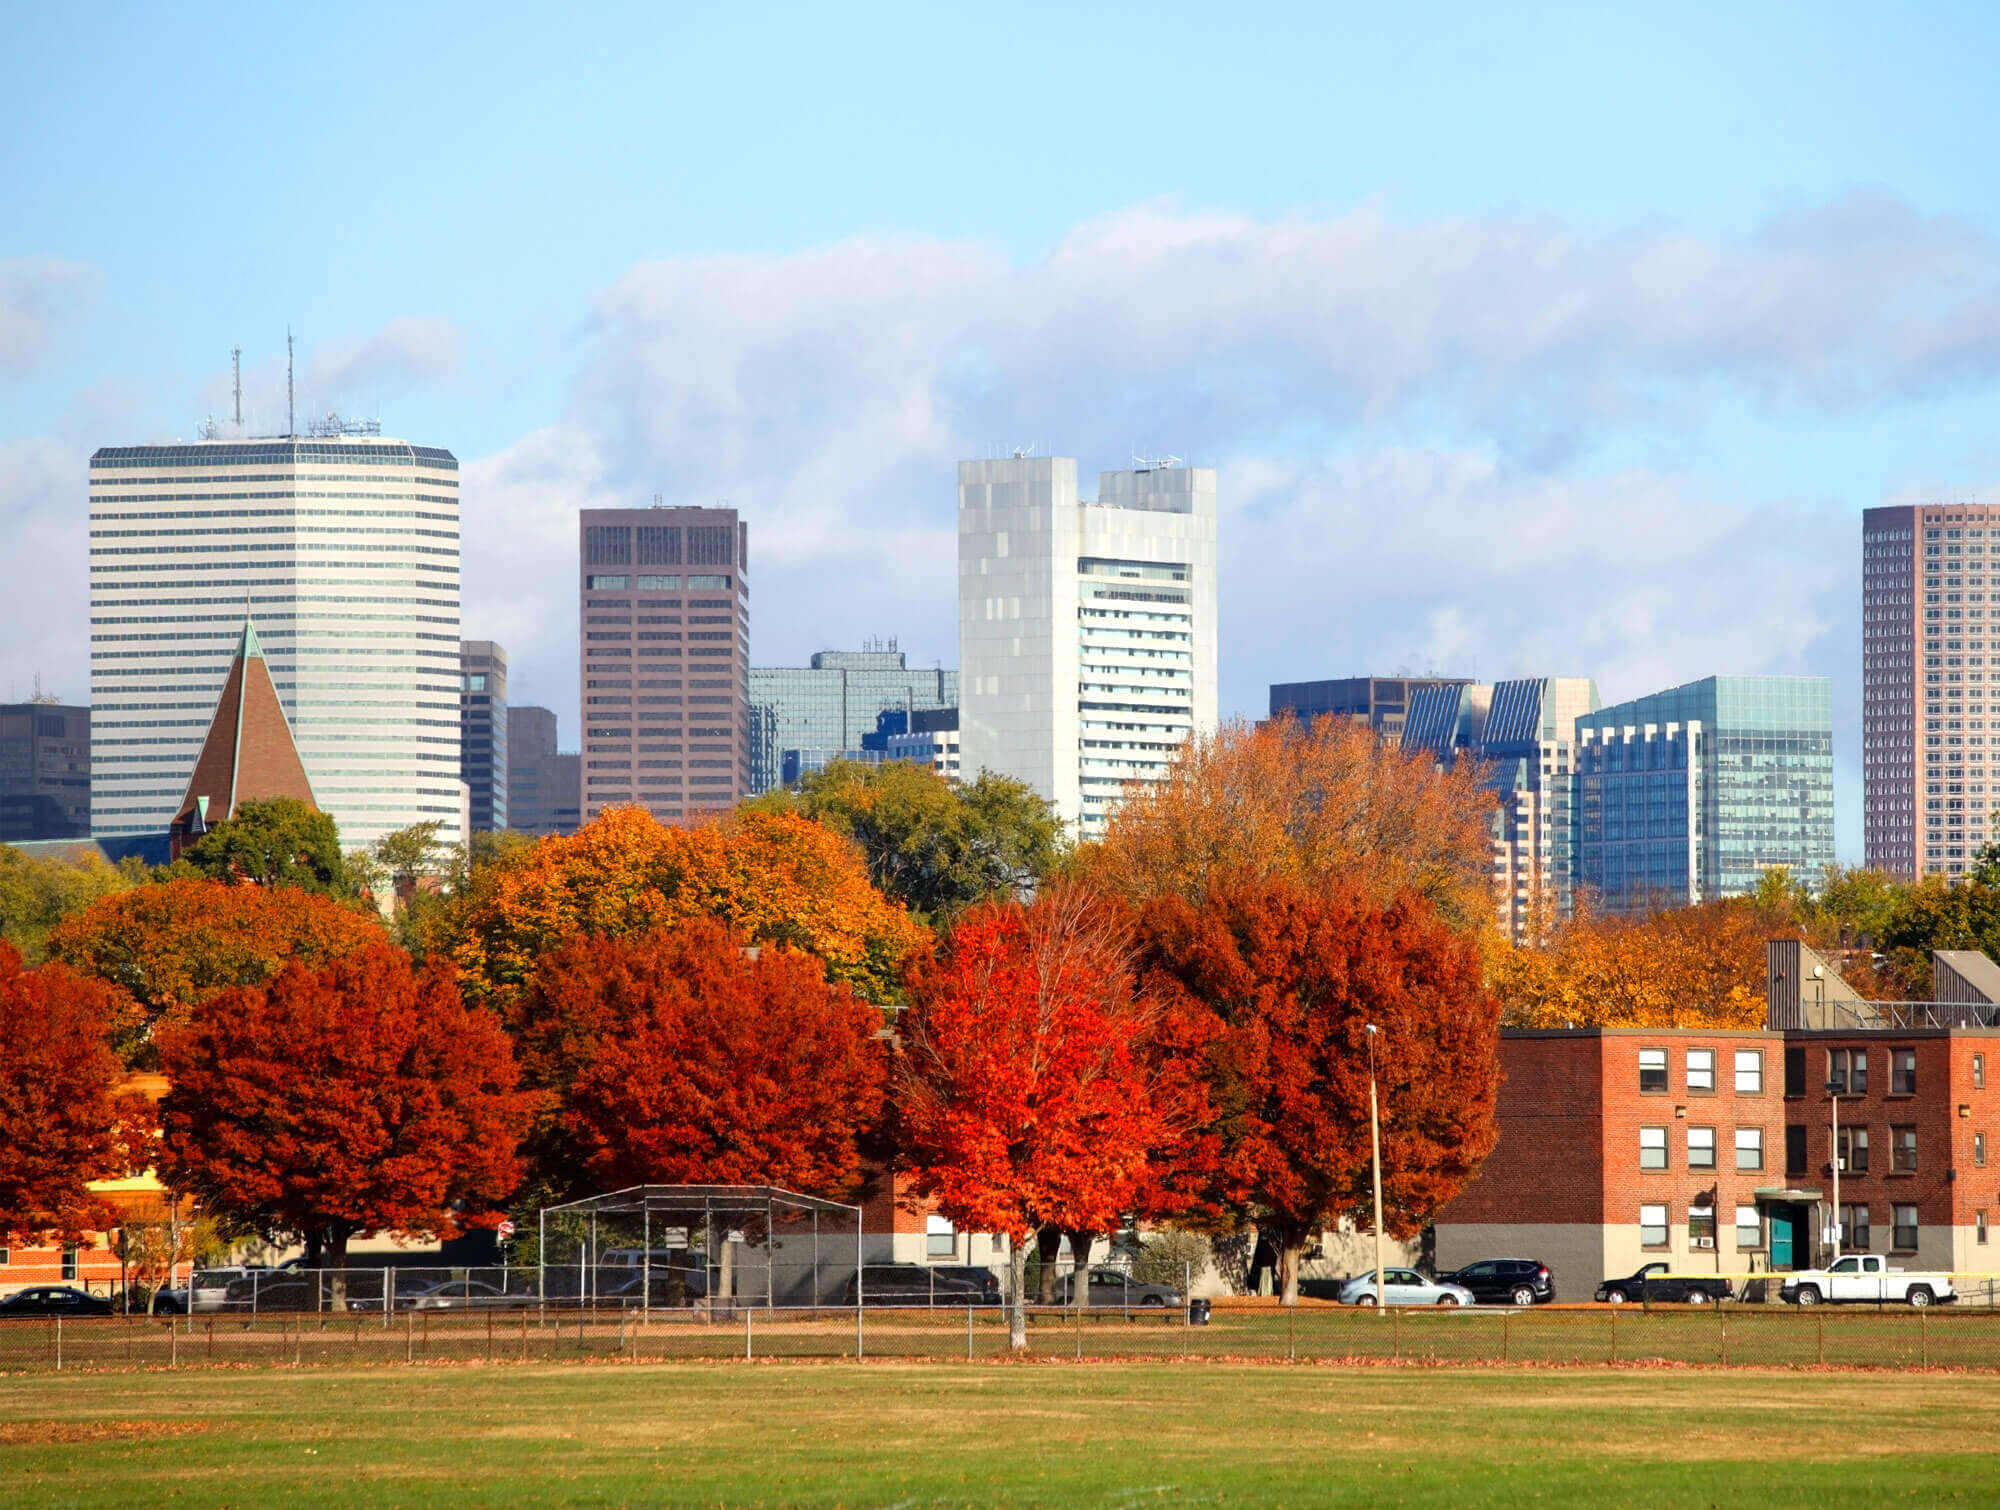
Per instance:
x=1565, y=340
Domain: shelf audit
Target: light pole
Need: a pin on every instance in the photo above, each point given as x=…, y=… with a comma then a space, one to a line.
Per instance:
x=1833, y=1090
x=1375, y=1152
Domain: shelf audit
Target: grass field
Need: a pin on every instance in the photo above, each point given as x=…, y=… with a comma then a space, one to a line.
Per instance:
x=927, y=1433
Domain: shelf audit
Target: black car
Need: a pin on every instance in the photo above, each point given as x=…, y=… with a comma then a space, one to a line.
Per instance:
x=1654, y=1283
x=916, y=1285
x=1505, y=1281
x=54, y=1300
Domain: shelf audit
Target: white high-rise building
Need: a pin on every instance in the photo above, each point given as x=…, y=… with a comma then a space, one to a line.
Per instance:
x=342, y=550
x=1086, y=630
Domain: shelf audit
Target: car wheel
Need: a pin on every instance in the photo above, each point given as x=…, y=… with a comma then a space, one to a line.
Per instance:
x=1447, y=1300
x=1697, y=1297
x=1366, y=1300
x=1920, y=1295
x=1808, y=1296
x=1614, y=1297
x=1523, y=1295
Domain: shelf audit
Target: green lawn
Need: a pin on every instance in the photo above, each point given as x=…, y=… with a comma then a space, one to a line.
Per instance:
x=936, y=1433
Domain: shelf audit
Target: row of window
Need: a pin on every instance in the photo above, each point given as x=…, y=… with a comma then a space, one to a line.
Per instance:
x=1856, y=1232
x=1701, y=1146
x=1846, y=1071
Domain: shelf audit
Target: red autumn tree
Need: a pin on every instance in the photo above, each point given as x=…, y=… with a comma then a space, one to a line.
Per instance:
x=678, y=1056
x=1293, y=978
x=1025, y=1090
x=356, y=1097
x=62, y=1121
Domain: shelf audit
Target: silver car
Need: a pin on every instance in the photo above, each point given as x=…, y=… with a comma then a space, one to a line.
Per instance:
x=1403, y=1287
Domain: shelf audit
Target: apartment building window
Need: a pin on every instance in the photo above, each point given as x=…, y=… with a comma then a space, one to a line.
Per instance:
x=1749, y=1229
x=1795, y=1150
x=1653, y=1071
x=69, y=1263
x=1854, y=1150
x=1979, y=1072
x=1904, y=1235
x=5, y=1258
x=1701, y=1148
x=1701, y=1069
x=1979, y=1227
x=1854, y=1231
x=1979, y=1150
x=1903, y=1149
x=1847, y=1071
x=1701, y=1226
x=1749, y=1071
x=1652, y=1226
x=1652, y=1148
x=1749, y=1148
x=1795, y=1072
x=940, y=1237
x=1902, y=1072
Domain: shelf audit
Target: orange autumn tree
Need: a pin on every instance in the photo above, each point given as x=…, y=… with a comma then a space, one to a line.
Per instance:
x=774, y=878
x=167, y=948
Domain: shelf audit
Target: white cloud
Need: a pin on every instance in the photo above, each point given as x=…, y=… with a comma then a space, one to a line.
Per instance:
x=411, y=351
x=40, y=298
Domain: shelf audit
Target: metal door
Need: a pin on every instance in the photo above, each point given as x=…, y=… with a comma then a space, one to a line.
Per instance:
x=1784, y=1227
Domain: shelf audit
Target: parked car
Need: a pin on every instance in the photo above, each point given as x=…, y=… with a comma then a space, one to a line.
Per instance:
x=465, y=1295
x=1865, y=1277
x=1656, y=1282
x=1403, y=1287
x=1118, y=1290
x=914, y=1285
x=1505, y=1281
x=53, y=1300
x=985, y=1281
x=670, y=1287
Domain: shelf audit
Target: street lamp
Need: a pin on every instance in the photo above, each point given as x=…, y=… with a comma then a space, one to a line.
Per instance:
x=1375, y=1151
x=1833, y=1089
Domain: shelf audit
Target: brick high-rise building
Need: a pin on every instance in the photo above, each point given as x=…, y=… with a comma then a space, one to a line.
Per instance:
x=666, y=660
x=1924, y=659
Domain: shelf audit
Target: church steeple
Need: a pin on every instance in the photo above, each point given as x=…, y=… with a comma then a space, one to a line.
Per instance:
x=249, y=752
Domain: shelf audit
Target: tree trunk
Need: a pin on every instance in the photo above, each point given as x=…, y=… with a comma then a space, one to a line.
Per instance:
x=1048, y=1247
x=1289, y=1252
x=333, y=1254
x=1017, y=1315
x=1080, y=1244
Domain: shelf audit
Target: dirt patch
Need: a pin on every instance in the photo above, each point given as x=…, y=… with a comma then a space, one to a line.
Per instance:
x=46, y=1433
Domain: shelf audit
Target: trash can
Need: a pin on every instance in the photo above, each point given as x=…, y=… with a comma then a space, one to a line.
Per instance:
x=1198, y=1311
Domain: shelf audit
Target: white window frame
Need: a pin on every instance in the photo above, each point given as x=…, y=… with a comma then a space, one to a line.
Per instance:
x=1706, y=1082
x=1653, y=1140
x=1755, y=1144
x=1653, y=1059
x=1750, y=1065
x=939, y=1229
x=1693, y=1162
x=1754, y=1227
x=1658, y=1224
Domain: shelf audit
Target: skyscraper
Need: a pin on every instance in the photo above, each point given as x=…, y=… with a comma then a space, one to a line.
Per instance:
x=666, y=660
x=834, y=703
x=342, y=549
x=44, y=771
x=1381, y=702
x=544, y=785
x=1925, y=654
x=1086, y=630
x=482, y=713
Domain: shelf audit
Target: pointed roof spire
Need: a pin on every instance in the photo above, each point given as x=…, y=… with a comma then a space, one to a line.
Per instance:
x=249, y=752
x=250, y=644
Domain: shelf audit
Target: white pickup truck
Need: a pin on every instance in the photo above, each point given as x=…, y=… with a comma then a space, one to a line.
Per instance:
x=1865, y=1277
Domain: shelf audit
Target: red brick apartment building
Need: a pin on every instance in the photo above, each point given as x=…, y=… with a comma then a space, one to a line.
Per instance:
x=1715, y=1150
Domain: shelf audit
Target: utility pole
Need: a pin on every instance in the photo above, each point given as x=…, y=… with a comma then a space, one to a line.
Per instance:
x=1375, y=1151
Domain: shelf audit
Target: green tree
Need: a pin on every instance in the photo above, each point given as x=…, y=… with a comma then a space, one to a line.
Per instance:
x=37, y=894
x=276, y=841
x=934, y=844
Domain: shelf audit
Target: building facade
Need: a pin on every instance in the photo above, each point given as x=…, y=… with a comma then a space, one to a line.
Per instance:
x=666, y=660
x=544, y=785
x=1380, y=702
x=932, y=740
x=1692, y=793
x=344, y=551
x=1925, y=654
x=1086, y=630
x=834, y=704
x=482, y=714
x=44, y=771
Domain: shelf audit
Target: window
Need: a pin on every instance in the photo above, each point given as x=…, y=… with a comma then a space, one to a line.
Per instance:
x=659, y=584
x=1979, y=1072
x=601, y=584
x=1854, y=1150
x=1653, y=1071
x=1903, y=1149
x=1701, y=1226
x=5, y=1257
x=1979, y=1150
x=1902, y=1072
x=69, y=1263
x=1653, y=1226
x=1749, y=1070
x=1749, y=1148
x=940, y=1237
x=1854, y=1227
x=1904, y=1235
x=1795, y=1150
x=1795, y=1072
x=1847, y=1071
x=996, y=1244
x=1701, y=1148
x=1652, y=1148
x=1749, y=1229
x=1979, y=1226
x=1701, y=1069
x=698, y=584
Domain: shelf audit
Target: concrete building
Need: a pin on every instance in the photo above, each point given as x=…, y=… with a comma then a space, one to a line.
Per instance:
x=932, y=740
x=1086, y=630
x=344, y=550
x=1524, y=734
x=44, y=771
x=1692, y=793
x=666, y=660
x=1380, y=702
x=544, y=786
x=1925, y=655
x=482, y=717
x=833, y=705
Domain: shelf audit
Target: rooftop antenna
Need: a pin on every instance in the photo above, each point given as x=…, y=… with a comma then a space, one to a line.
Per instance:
x=236, y=369
x=291, y=422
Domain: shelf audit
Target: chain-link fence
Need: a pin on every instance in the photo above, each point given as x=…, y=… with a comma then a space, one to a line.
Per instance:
x=1728, y=1335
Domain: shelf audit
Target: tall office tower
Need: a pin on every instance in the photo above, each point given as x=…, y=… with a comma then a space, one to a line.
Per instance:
x=826, y=709
x=1086, y=630
x=482, y=719
x=1925, y=651
x=44, y=771
x=666, y=660
x=1381, y=702
x=1692, y=793
x=342, y=550
x=1524, y=734
x=544, y=785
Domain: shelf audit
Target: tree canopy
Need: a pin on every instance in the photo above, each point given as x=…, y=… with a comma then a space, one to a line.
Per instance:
x=275, y=841
x=37, y=894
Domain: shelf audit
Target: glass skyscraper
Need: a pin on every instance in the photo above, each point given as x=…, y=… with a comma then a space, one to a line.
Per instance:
x=823, y=711
x=1692, y=793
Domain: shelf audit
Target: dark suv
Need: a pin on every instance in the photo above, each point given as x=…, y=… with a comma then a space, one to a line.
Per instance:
x=919, y=1285
x=1505, y=1281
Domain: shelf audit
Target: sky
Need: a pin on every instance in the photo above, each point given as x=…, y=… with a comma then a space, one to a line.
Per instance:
x=1527, y=340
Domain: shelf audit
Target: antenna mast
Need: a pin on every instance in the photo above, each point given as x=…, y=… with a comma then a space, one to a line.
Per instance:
x=236, y=369
x=291, y=422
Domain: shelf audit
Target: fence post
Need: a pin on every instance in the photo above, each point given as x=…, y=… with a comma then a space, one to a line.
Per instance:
x=859, y=1351
x=59, y=1344
x=298, y=1341
x=489, y=1335
x=1291, y=1334
x=1506, y=1324
x=410, y=1337
x=1822, y=1338
x=1722, y=1330
x=747, y=1313
x=1396, y=1331
x=1924, y=1332
x=968, y=1334
x=524, y=1336
x=173, y=1345
x=1079, y=1313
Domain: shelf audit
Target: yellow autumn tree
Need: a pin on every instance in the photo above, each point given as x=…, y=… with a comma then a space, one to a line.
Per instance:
x=774, y=878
